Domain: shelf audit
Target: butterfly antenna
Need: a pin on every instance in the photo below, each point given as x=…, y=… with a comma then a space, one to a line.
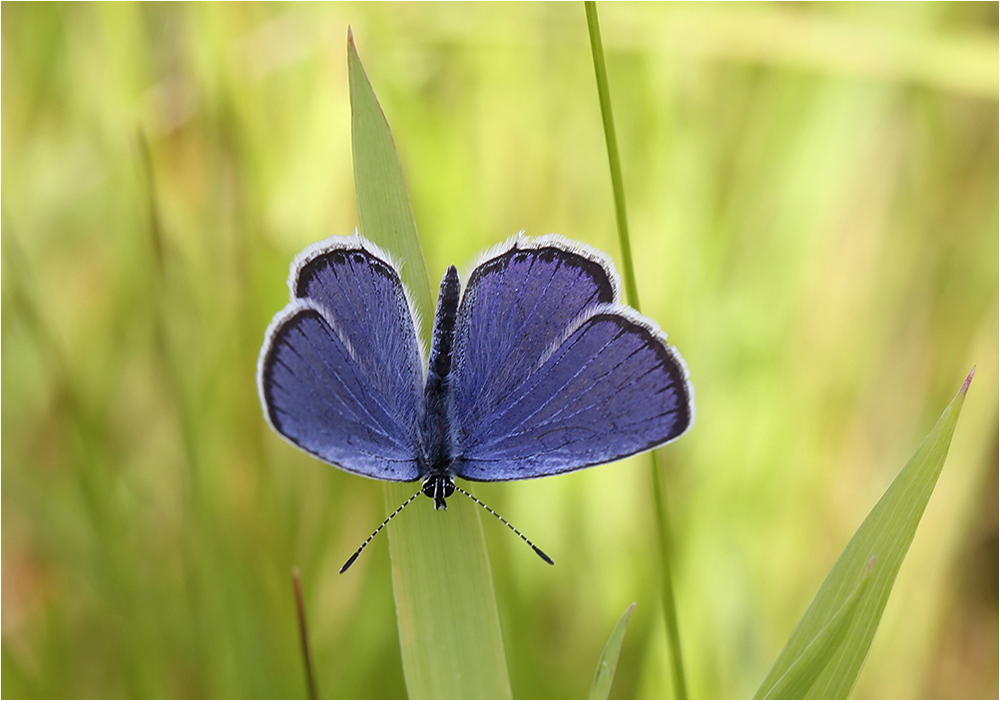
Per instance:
x=506, y=523
x=381, y=526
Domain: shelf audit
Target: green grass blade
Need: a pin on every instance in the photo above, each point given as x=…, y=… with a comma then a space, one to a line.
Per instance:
x=885, y=534
x=632, y=293
x=449, y=626
x=384, y=211
x=804, y=671
x=606, y=666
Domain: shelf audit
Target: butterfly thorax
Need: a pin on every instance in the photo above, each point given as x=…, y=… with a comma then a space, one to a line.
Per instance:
x=436, y=456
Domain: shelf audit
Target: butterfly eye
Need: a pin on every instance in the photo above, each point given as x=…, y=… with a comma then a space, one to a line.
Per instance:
x=428, y=488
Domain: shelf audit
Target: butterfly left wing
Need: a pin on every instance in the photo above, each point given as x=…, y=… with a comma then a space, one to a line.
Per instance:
x=606, y=386
x=340, y=372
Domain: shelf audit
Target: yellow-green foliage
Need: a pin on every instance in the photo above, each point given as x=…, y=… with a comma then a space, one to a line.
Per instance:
x=812, y=194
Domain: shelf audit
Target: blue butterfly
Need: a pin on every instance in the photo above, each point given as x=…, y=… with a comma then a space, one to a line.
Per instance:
x=535, y=369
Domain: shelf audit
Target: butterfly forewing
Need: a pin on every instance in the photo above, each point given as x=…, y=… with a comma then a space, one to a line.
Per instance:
x=339, y=373
x=515, y=307
x=362, y=295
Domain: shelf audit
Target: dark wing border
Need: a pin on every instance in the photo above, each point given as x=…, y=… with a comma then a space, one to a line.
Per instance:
x=521, y=242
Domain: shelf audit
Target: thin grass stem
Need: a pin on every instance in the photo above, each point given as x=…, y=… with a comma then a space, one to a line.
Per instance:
x=303, y=634
x=617, y=185
x=632, y=292
x=667, y=585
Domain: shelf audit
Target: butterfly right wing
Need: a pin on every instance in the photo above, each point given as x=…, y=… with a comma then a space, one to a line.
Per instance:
x=550, y=374
x=339, y=374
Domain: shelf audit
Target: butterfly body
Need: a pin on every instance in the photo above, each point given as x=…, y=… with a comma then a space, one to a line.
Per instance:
x=437, y=454
x=535, y=367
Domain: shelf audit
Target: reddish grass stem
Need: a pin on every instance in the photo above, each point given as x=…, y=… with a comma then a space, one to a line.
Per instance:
x=303, y=635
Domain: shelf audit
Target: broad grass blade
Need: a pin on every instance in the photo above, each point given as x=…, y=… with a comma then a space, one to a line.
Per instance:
x=606, y=666
x=825, y=653
x=449, y=627
x=794, y=683
x=384, y=210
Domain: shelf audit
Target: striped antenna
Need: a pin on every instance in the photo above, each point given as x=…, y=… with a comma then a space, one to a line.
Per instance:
x=383, y=525
x=505, y=522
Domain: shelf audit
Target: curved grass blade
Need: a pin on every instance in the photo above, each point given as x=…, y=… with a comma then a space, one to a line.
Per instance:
x=606, y=666
x=887, y=532
x=794, y=683
x=449, y=626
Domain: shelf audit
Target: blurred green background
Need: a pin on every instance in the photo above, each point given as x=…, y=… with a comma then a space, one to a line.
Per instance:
x=813, y=200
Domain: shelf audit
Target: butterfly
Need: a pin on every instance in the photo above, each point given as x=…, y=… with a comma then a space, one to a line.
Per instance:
x=535, y=368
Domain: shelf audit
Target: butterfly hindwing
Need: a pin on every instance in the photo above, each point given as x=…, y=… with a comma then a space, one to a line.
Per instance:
x=340, y=373
x=595, y=387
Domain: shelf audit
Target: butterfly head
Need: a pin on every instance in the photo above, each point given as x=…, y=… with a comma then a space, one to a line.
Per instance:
x=439, y=488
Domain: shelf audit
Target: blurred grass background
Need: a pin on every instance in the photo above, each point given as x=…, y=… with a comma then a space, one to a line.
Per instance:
x=813, y=199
